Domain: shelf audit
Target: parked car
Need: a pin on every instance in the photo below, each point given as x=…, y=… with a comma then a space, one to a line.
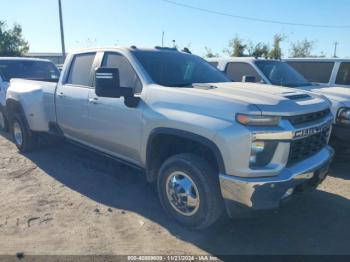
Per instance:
x=329, y=72
x=206, y=142
x=278, y=73
x=26, y=68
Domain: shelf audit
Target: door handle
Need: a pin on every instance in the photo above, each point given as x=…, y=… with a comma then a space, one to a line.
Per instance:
x=61, y=94
x=94, y=101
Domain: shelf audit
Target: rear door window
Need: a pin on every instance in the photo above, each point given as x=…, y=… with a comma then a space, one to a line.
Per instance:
x=80, y=73
x=318, y=72
x=343, y=77
x=236, y=70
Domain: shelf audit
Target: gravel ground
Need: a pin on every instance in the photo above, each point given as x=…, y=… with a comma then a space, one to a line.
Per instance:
x=67, y=201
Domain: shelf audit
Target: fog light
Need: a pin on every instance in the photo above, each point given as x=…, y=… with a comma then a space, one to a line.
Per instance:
x=257, y=147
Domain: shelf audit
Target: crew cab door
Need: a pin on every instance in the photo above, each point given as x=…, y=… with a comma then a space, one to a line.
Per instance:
x=72, y=97
x=115, y=128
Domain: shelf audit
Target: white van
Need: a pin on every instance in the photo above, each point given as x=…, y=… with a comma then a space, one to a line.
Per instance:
x=330, y=72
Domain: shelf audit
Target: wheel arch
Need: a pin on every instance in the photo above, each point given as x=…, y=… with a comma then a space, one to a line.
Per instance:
x=14, y=107
x=185, y=138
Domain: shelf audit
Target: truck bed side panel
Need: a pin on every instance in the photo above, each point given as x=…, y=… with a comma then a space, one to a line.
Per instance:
x=37, y=100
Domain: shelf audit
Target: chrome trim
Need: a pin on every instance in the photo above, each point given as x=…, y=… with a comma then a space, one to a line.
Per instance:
x=267, y=192
x=288, y=132
x=17, y=133
x=182, y=193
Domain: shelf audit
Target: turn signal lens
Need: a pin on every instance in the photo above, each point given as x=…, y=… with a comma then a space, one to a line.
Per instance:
x=254, y=120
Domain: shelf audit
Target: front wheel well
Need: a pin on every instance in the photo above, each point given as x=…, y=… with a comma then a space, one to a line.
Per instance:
x=164, y=145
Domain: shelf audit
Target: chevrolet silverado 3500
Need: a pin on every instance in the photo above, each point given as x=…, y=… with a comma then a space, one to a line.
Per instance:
x=209, y=144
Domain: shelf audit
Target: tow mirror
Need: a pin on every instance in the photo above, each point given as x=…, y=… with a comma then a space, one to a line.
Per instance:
x=107, y=84
x=249, y=79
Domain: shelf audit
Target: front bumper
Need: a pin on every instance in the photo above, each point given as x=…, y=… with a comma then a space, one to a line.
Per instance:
x=268, y=193
x=341, y=133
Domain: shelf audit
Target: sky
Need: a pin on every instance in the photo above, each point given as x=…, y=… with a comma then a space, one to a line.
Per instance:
x=89, y=23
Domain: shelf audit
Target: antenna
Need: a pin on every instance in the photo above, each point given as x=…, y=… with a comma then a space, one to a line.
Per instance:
x=335, y=49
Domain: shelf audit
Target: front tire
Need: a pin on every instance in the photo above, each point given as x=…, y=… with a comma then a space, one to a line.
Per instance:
x=4, y=126
x=189, y=191
x=22, y=137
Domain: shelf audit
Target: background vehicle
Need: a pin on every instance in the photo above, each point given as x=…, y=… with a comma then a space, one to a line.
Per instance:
x=275, y=72
x=324, y=71
x=26, y=68
x=203, y=140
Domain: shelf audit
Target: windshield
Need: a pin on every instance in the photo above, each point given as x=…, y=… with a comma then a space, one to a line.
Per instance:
x=35, y=70
x=280, y=73
x=176, y=69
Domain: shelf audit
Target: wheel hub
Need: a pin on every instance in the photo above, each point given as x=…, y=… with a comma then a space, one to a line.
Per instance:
x=182, y=193
x=2, y=120
x=17, y=133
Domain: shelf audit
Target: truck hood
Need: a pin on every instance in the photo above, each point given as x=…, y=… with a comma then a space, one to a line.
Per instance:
x=337, y=95
x=271, y=100
x=223, y=100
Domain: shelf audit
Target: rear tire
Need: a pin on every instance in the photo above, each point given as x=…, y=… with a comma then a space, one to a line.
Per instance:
x=189, y=191
x=4, y=125
x=24, y=140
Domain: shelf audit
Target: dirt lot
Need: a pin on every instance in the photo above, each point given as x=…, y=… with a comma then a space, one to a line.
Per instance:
x=68, y=201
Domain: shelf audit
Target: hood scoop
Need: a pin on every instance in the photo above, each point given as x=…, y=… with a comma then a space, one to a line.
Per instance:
x=204, y=86
x=297, y=97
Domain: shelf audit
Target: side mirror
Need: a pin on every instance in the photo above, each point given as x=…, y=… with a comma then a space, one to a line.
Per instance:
x=107, y=84
x=249, y=79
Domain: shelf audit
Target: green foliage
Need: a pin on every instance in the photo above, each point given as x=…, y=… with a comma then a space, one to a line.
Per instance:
x=209, y=53
x=276, y=51
x=302, y=48
x=12, y=42
x=259, y=50
x=236, y=47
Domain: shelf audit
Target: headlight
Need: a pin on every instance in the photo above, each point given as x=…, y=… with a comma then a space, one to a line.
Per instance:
x=262, y=153
x=343, y=116
x=254, y=120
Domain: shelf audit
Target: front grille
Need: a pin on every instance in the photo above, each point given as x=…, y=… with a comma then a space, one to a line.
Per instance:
x=306, y=147
x=307, y=118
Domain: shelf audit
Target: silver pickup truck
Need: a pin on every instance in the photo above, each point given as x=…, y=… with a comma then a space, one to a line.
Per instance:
x=209, y=144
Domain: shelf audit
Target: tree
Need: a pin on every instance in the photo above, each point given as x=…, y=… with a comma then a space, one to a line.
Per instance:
x=259, y=50
x=12, y=42
x=302, y=48
x=209, y=53
x=276, y=51
x=236, y=47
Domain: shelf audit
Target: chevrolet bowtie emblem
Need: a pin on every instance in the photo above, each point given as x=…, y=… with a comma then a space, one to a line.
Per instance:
x=310, y=131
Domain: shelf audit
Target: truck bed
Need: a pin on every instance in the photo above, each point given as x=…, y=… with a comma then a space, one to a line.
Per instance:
x=37, y=99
